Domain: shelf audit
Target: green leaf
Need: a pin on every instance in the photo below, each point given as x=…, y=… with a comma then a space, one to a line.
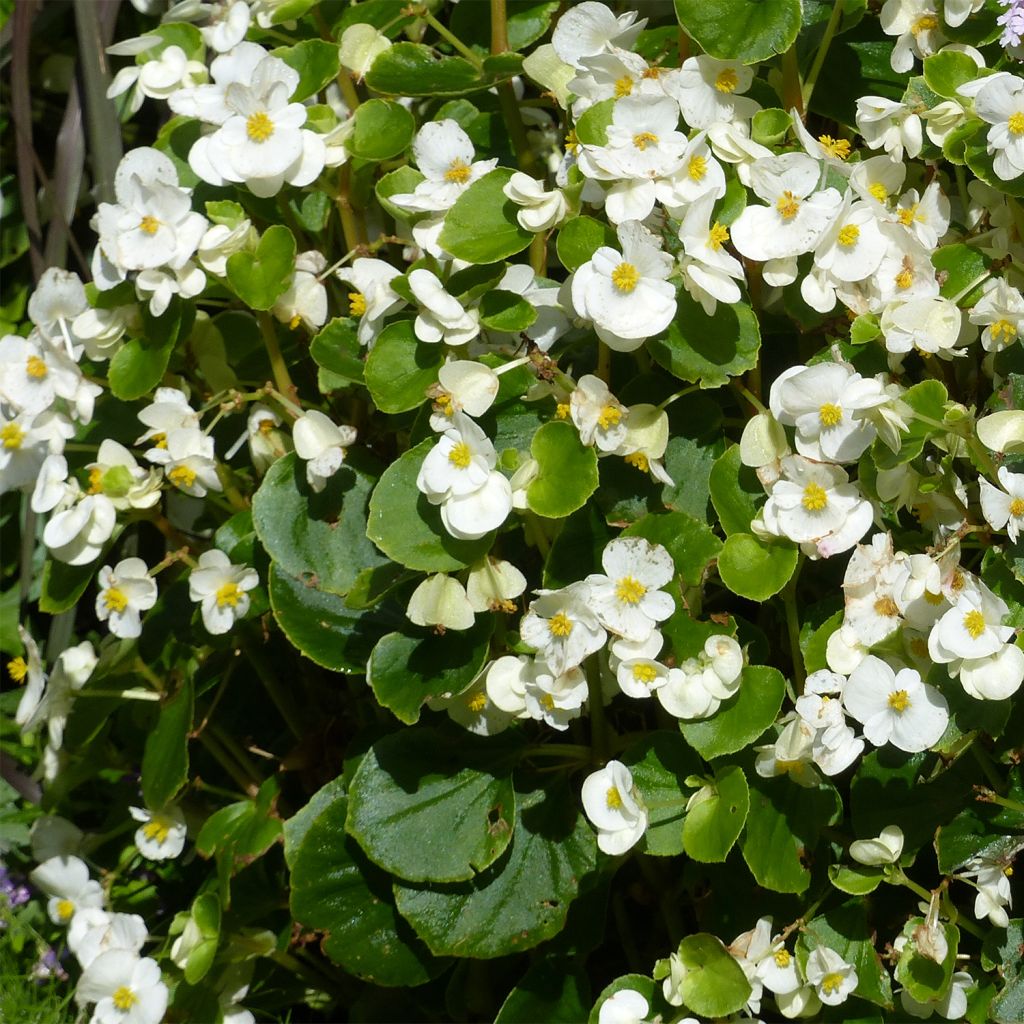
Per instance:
x=921, y=976
x=769, y=127
x=334, y=887
x=959, y=267
x=742, y=719
x=406, y=669
x=411, y=69
x=506, y=311
x=408, y=529
x=165, y=758
x=736, y=492
x=521, y=900
x=383, y=129
x=429, y=808
x=577, y=549
x=205, y=913
x=316, y=61
x=481, y=227
x=140, y=363
x=579, y=238
x=754, y=569
x=400, y=182
x=400, y=368
x=691, y=543
x=243, y=831
x=689, y=463
x=927, y=398
x=259, y=278
x=552, y=990
x=527, y=21
x=864, y=329
x=782, y=831
x=713, y=983
x=739, y=29
x=567, y=471
x=712, y=349
x=1001, y=950
x=815, y=646
x=592, y=125
x=716, y=818
x=63, y=585
x=226, y=212
x=945, y=72
x=319, y=537
x=336, y=348
x=856, y=879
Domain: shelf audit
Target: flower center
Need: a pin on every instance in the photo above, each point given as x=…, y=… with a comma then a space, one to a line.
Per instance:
x=974, y=623
x=877, y=189
x=115, y=599
x=848, y=234
x=1002, y=331
x=924, y=24
x=907, y=214
x=562, y=411
x=96, y=479
x=899, y=701
x=124, y=998
x=477, y=702
x=12, y=435
x=610, y=416
x=1017, y=508
x=644, y=139
x=356, y=304
x=560, y=625
x=65, y=910
x=652, y=72
x=182, y=476
x=645, y=673
x=443, y=404
x=815, y=498
x=613, y=798
x=625, y=277
x=836, y=148
x=830, y=414
x=905, y=278
x=159, y=440
x=228, y=594
x=639, y=460
x=788, y=205
x=150, y=225
x=629, y=590
x=458, y=172
x=36, y=368
x=1016, y=123
x=717, y=236
x=697, y=168
x=831, y=982
x=623, y=86
x=17, y=669
x=157, y=829
x=727, y=80
x=572, y=143
x=259, y=127
x=886, y=607
x=782, y=957
x=460, y=455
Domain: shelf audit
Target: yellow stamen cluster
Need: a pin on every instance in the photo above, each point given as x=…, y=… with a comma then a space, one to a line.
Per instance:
x=157, y=829
x=1016, y=123
x=717, y=236
x=460, y=456
x=562, y=411
x=905, y=278
x=182, y=476
x=815, y=498
x=458, y=172
x=560, y=625
x=65, y=909
x=259, y=127
x=877, y=189
x=907, y=214
x=838, y=149
x=629, y=590
x=149, y=225
x=925, y=23
x=697, y=168
x=572, y=143
x=830, y=414
x=645, y=673
x=644, y=139
x=17, y=669
x=727, y=80
x=974, y=623
x=899, y=701
x=886, y=607
x=625, y=277
x=788, y=205
x=1002, y=332
x=623, y=86
x=124, y=998
x=848, y=235
x=96, y=475
x=477, y=702
x=639, y=460
x=613, y=798
x=295, y=321
x=12, y=435
x=782, y=957
x=158, y=440
x=36, y=368
x=831, y=983
x=229, y=594
x=356, y=304
x=1017, y=508
x=443, y=404
x=115, y=599
x=610, y=416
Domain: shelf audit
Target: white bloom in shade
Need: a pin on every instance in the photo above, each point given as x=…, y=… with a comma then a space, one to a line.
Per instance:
x=101, y=330
x=471, y=516
x=834, y=747
x=697, y=687
x=474, y=710
x=952, y=1005
x=853, y=246
x=117, y=475
x=94, y=931
x=540, y=210
x=58, y=300
x=790, y=754
x=440, y=601
x=159, y=77
x=321, y=444
x=493, y=584
x=222, y=241
x=877, y=179
x=160, y=286
x=1000, y=102
x=125, y=590
x=463, y=385
x=554, y=699
x=125, y=989
x=372, y=297
x=161, y=834
x=833, y=978
x=597, y=414
x=67, y=883
x=221, y=589
x=562, y=627
x=77, y=535
x=441, y=317
x=626, y=1006
x=895, y=707
x=1004, y=508
x=889, y=125
x=168, y=411
x=1000, y=311
x=699, y=175
x=360, y=46
x=884, y=849
x=991, y=877
x=188, y=461
x=305, y=299
x=506, y=683
x=925, y=217
x=590, y=28
x=709, y=90
x=626, y=295
x=646, y=441
x=34, y=374
x=628, y=600
x=614, y=808
x=545, y=297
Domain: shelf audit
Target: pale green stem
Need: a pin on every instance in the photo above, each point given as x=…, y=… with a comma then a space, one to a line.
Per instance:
x=450, y=36
x=819, y=58
x=277, y=363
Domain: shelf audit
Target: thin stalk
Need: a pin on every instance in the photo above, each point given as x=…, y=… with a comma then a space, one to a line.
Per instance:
x=595, y=702
x=793, y=628
x=351, y=225
x=981, y=755
x=277, y=364
x=792, y=91
x=236, y=750
x=28, y=547
x=819, y=58
x=220, y=755
x=450, y=37
x=539, y=254
x=604, y=362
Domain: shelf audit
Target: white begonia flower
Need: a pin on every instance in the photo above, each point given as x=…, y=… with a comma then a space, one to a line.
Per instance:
x=999, y=100
x=34, y=375
x=895, y=708
x=931, y=324
x=562, y=627
x=220, y=241
x=699, y=175
x=732, y=144
x=57, y=301
x=160, y=286
x=27, y=669
x=101, y=330
x=992, y=880
x=125, y=989
x=597, y=414
x=1001, y=431
x=626, y=295
x=471, y=516
x=463, y=385
x=709, y=91
x=697, y=687
x=322, y=445
x=814, y=504
x=942, y=120
x=626, y=1006
x=952, y=1005
x=266, y=442
x=628, y=600
x=1001, y=311
x=169, y=410
x=208, y=102
x=159, y=77
x=710, y=271
x=440, y=601
x=188, y=461
x=918, y=27
x=925, y=217
x=613, y=75
x=613, y=806
x=94, y=931
x=161, y=834
x=373, y=298
x=829, y=404
x=459, y=463
x=1004, y=508
x=884, y=849
x=554, y=699
x=834, y=747
x=872, y=576
x=66, y=882
x=545, y=297
x=77, y=535
x=360, y=45
x=765, y=962
x=117, y=475
x=877, y=179
x=441, y=317
x=590, y=28
x=221, y=589
x=474, y=710
x=540, y=210
x=833, y=978
x=262, y=143
x=972, y=628
x=646, y=441
x=852, y=248
x=763, y=441
x=797, y=213
x=125, y=590
x=493, y=584
x=956, y=12
x=790, y=754
x=640, y=677
x=304, y=301
x=889, y=125
x=25, y=443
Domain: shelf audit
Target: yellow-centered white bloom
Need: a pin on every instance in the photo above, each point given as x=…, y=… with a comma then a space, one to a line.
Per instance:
x=540, y=210
x=221, y=589
x=597, y=414
x=66, y=882
x=614, y=807
x=1004, y=509
x=918, y=28
x=889, y=125
x=628, y=599
x=322, y=444
x=833, y=978
x=125, y=989
x=999, y=100
x=1000, y=310
x=125, y=591
x=562, y=627
x=710, y=90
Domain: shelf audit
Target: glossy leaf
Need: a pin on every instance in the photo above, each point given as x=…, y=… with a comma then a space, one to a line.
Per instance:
x=754, y=569
x=482, y=227
x=567, y=471
x=165, y=758
x=715, y=819
x=400, y=368
x=740, y=30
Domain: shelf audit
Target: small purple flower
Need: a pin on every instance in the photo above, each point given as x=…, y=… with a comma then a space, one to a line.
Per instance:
x=1012, y=22
x=13, y=891
x=48, y=966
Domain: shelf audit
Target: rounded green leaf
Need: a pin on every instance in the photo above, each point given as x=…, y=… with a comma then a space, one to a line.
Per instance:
x=482, y=227
x=139, y=365
x=769, y=127
x=408, y=529
x=855, y=879
x=579, y=238
x=430, y=809
x=259, y=278
x=521, y=900
x=165, y=758
x=316, y=61
x=411, y=69
x=506, y=311
x=382, y=130
x=400, y=368
x=736, y=492
x=945, y=72
x=399, y=182
x=741, y=29
x=753, y=569
x=713, y=983
x=716, y=818
x=336, y=348
x=566, y=474
x=960, y=267
x=319, y=537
